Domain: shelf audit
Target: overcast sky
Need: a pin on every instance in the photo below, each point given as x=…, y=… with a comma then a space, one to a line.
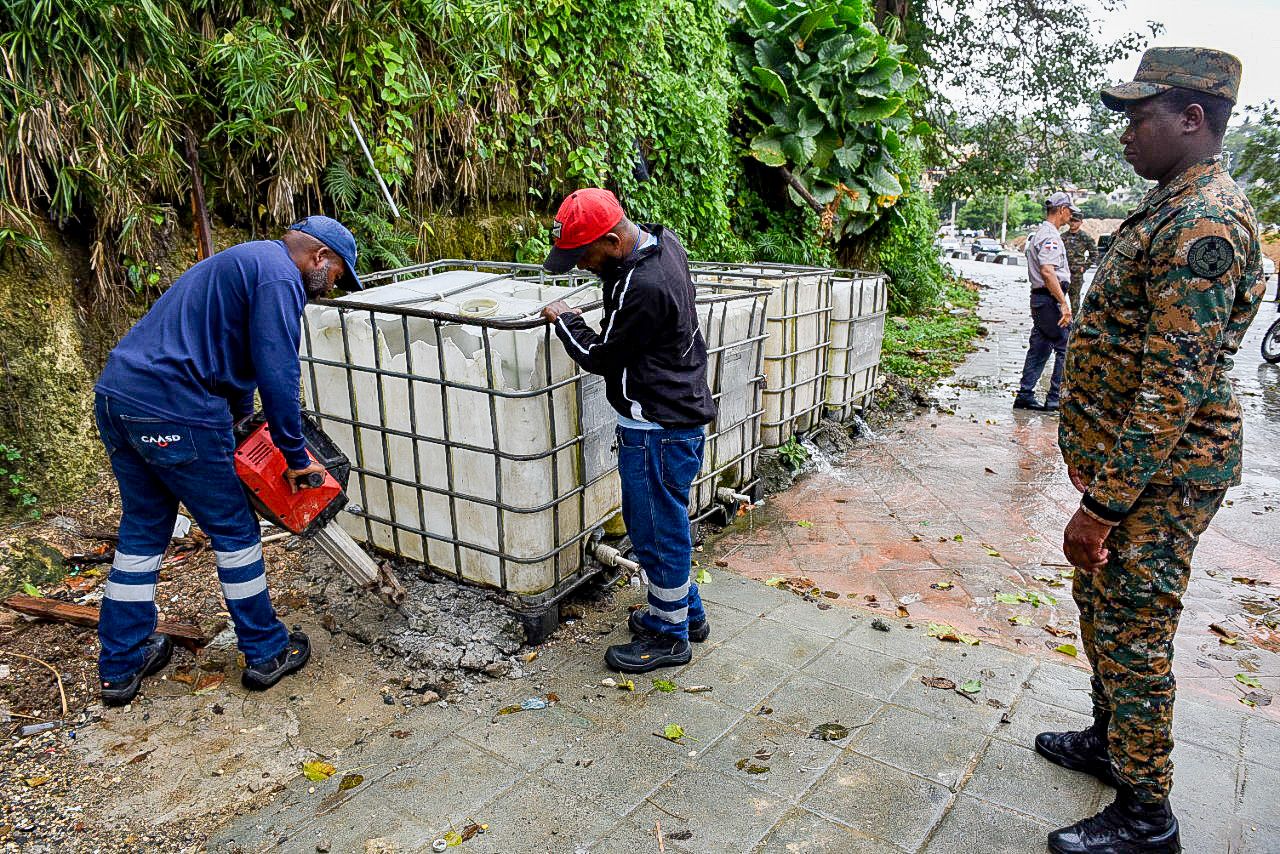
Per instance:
x=1246, y=28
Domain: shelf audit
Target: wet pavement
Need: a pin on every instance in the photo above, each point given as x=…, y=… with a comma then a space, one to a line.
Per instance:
x=956, y=505
x=972, y=496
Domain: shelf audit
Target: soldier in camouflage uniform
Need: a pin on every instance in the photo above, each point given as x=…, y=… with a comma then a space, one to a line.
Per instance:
x=1082, y=252
x=1151, y=431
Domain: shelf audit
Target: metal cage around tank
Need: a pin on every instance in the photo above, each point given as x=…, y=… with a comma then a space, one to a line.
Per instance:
x=859, y=304
x=798, y=338
x=477, y=446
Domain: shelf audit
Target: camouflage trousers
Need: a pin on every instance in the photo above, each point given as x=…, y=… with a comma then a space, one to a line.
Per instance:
x=1129, y=611
x=1073, y=291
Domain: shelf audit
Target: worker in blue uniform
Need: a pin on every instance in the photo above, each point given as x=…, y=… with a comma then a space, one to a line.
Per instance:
x=165, y=405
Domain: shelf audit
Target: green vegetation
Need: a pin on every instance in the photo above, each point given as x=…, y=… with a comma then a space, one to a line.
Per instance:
x=984, y=211
x=1255, y=146
x=18, y=492
x=793, y=453
x=928, y=345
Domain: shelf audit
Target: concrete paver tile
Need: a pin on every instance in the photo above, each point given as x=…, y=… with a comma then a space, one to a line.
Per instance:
x=725, y=622
x=1030, y=717
x=529, y=739
x=627, y=837
x=444, y=789
x=1254, y=837
x=739, y=681
x=1260, y=798
x=899, y=641
x=741, y=593
x=1062, y=686
x=1205, y=786
x=978, y=713
x=723, y=815
x=635, y=718
x=879, y=800
x=975, y=825
x=804, y=702
x=805, y=832
x=914, y=742
x=776, y=641
x=794, y=760
x=832, y=622
x=1209, y=725
x=1020, y=779
x=616, y=771
x=535, y=817
x=1262, y=741
x=860, y=670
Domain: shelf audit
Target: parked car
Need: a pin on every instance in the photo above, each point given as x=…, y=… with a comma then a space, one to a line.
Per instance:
x=987, y=245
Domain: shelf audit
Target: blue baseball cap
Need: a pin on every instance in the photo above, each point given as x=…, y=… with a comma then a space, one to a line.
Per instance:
x=337, y=237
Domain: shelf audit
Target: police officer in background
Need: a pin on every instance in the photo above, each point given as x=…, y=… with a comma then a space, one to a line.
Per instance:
x=1050, y=311
x=1151, y=431
x=1082, y=253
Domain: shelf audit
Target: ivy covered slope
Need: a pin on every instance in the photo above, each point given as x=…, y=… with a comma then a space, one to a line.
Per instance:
x=468, y=105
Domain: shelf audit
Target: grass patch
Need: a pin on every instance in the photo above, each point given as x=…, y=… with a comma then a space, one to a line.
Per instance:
x=928, y=345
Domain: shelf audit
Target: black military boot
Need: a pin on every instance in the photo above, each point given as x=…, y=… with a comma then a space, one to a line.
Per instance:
x=291, y=659
x=1083, y=750
x=698, y=632
x=1128, y=826
x=648, y=652
x=156, y=652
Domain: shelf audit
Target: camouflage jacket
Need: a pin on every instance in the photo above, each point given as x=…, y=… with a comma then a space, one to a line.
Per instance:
x=1082, y=251
x=1146, y=397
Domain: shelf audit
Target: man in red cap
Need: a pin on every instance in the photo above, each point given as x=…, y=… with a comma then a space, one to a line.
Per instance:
x=653, y=358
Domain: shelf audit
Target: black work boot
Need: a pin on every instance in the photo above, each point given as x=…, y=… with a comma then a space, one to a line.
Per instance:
x=1128, y=826
x=295, y=654
x=1083, y=750
x=648, y=652
x=1027, y=403
x=156, y=652
x=698, y=632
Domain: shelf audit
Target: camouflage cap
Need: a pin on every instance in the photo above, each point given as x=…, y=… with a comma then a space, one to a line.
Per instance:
x=1200, y=69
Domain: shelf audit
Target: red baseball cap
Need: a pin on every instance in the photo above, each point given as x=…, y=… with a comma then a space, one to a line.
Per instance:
x=584, y=217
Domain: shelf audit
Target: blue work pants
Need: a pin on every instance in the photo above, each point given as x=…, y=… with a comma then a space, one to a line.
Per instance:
x=1047, y=338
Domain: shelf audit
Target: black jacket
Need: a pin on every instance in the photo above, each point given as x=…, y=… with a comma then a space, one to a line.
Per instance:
x=650, y=352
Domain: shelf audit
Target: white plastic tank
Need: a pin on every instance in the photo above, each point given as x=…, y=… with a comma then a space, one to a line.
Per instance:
x=475, y=442
x=859, y=302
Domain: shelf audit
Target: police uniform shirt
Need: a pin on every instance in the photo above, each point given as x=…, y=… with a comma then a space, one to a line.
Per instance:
x=1046, y=247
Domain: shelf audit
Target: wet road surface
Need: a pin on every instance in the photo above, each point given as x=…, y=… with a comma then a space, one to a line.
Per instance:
x=945, y=511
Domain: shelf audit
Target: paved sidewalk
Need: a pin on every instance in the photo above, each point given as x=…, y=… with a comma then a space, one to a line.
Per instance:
x=921, y=769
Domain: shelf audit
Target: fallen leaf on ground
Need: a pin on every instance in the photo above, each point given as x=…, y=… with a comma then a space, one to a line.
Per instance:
x=1256, y=698
x=942, y=585
x=316, y=770
x=971, y=686
x=350, y=781
x=452, y=839
x=1067, y=649
x=529, y=656
x=830, y=732
x=776, y=581
x=959, y=538
x=680, y=835
x=831, y=594
x=703, y=577
x=1067, y=573
x=472, y=829
x=37, y=781
x=903, y=612
x=916, y=538
x=1248, y=681
x=666, y=686
x=991, y=550
x=1058, y=632
x=804, y=523
x=940, y=682
x=208, y=682
x=1244, y=579
x=989, y=470
x=1225, y=635
x=672, y=732
x=750, y=767
x=399, y=733
x=722, y=563
x=1051, y=580
x=1020, y=620
x=879, y=625
x=186, y=677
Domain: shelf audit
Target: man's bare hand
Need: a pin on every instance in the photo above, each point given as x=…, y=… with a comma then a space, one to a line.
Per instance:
x=1082, y=541
x=552, y=312
x=292, y=475
x=1065, y=320
x=1076, y=480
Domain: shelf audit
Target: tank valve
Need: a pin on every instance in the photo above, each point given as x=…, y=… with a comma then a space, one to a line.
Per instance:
x=728, y=496
x=609, y=556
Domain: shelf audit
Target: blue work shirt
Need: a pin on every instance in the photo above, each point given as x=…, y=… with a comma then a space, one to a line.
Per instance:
x=229, y=324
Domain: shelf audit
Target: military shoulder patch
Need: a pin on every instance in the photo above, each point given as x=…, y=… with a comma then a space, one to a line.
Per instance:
x=1210, y=257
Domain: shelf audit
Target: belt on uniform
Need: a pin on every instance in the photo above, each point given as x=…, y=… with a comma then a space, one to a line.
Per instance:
x=1044, y=291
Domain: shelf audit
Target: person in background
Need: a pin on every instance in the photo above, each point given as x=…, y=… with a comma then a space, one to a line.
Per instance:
x=652, y=356
x=1082, y=253
x=1050, y=309
x=165, y=405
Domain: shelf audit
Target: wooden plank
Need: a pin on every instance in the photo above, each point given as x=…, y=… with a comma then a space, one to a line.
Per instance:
x=87, y=615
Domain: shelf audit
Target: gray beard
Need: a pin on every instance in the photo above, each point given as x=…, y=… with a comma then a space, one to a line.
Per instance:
x=316, y=282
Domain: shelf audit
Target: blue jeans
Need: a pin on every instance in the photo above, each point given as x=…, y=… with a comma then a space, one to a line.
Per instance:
x=1047, y=338
x=157, y=463
x=657, y=468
